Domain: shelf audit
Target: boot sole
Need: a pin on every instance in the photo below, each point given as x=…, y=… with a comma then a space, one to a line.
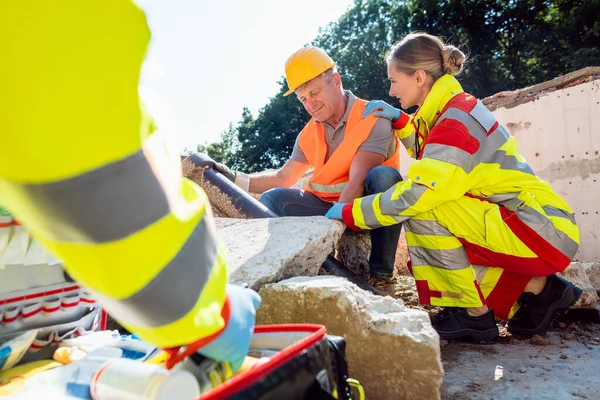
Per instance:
x=489, y=336
x=569, y=297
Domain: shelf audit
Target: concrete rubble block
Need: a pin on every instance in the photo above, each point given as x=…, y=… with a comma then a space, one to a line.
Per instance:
x=583, y=275
x=267, y=250
x=392, y=350
x=354, y=248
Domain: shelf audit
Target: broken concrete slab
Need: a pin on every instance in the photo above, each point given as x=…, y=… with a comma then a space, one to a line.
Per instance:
x=391, y=349
x=581, y=275
x=267, y=250
x=592, y=270
x=354, y=248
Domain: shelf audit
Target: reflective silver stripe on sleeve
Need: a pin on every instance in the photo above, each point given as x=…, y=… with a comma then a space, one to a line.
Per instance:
x=426, y=228
x=557, y=212
x=335, y=188
x=473, y=127
x=126, y=193
x=507, y=162
x=406, y=200
x=451, y=155
x=454, y=259
x=366, y=206
x=171, y=294
x=409, y=141
x=483, y=116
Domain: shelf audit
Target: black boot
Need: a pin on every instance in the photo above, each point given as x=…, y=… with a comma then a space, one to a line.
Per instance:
x=537, y=311
x=456, y=323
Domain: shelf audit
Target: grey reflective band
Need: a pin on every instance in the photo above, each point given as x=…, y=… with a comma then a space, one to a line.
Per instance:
x=508, y=200
x=483, y=116
x=510, y=163
x=426, y=227
x=557, y=212
x=126, y=193
x=335, y=188
x=366, y=206
x=406, y=200
x=454, y=259
x=409, y=141
x=544, y=227
x=451, y=155
x=173, y=293
x=474, y=128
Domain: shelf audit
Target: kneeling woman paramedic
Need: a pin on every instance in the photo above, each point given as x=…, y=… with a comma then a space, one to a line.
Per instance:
x=486, y=235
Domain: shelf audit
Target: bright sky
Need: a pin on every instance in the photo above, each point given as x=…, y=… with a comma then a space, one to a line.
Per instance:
x=209, y=59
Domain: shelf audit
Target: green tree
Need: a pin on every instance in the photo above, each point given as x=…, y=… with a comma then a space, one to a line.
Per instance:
x=510, y=43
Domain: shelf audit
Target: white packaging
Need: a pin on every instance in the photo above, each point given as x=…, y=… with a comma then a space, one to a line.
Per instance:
x=72, y=380
x=15, y=251
x=5, y=230
x=133, y=380
x=13, y=350
x=36, y=254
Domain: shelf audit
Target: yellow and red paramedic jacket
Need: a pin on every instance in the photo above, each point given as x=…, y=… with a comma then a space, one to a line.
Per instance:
x=82, y=166
x=462, y=150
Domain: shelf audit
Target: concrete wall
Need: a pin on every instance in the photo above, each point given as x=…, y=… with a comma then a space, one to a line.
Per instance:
x=559, y=135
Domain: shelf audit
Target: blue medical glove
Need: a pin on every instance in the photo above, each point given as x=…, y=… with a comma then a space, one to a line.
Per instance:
x=232, y=345
x=335, y=212
x=387, y=111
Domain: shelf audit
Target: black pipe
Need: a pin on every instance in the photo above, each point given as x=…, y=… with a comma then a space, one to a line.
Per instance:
x=241, y=201
x=335, y=267
x=252, y=208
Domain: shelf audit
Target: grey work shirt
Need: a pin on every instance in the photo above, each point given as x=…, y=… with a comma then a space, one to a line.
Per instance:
x=380, y=140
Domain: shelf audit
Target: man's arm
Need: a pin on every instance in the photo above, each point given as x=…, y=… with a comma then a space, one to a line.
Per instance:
x=285, y=176
x=363, y=163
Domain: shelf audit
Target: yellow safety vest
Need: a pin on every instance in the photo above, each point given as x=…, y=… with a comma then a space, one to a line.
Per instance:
x=83, y=168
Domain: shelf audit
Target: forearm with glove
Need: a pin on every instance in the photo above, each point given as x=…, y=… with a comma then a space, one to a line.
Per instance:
x=82, y=166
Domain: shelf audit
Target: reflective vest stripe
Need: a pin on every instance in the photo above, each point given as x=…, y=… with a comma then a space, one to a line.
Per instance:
x=335, y=188
x=171, y=294
x=125, y=192
x=484, y=116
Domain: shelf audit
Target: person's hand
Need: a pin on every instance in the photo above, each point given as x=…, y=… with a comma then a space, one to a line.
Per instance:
x=335, y=212
x=239, y=178
x=233, y=344
x=387, y=111
x=204, y=160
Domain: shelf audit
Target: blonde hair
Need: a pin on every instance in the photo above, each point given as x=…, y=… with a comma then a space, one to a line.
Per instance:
x=427, y=52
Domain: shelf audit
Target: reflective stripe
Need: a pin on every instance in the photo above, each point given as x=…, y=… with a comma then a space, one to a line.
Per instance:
x=126, y=192
x=409, y=141
x=171, y=294
x=426, y=227
x=335, y=188
x=493, y=142
x=544, y=227
x=473, y=127
x=483, y=116
x=366, y=206
x=501, y=198
x=454, y=259
x=407, y=199
x=451, y=155
x=557, y=212
x=508, y=162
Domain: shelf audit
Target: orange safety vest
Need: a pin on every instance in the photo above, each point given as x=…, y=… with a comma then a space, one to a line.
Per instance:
x=330, y=178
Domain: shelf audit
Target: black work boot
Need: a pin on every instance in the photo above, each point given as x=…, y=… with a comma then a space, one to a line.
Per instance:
x=537, y=311
x=455, y=323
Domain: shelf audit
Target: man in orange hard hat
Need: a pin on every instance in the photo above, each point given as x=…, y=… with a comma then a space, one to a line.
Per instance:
x=350, y=156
